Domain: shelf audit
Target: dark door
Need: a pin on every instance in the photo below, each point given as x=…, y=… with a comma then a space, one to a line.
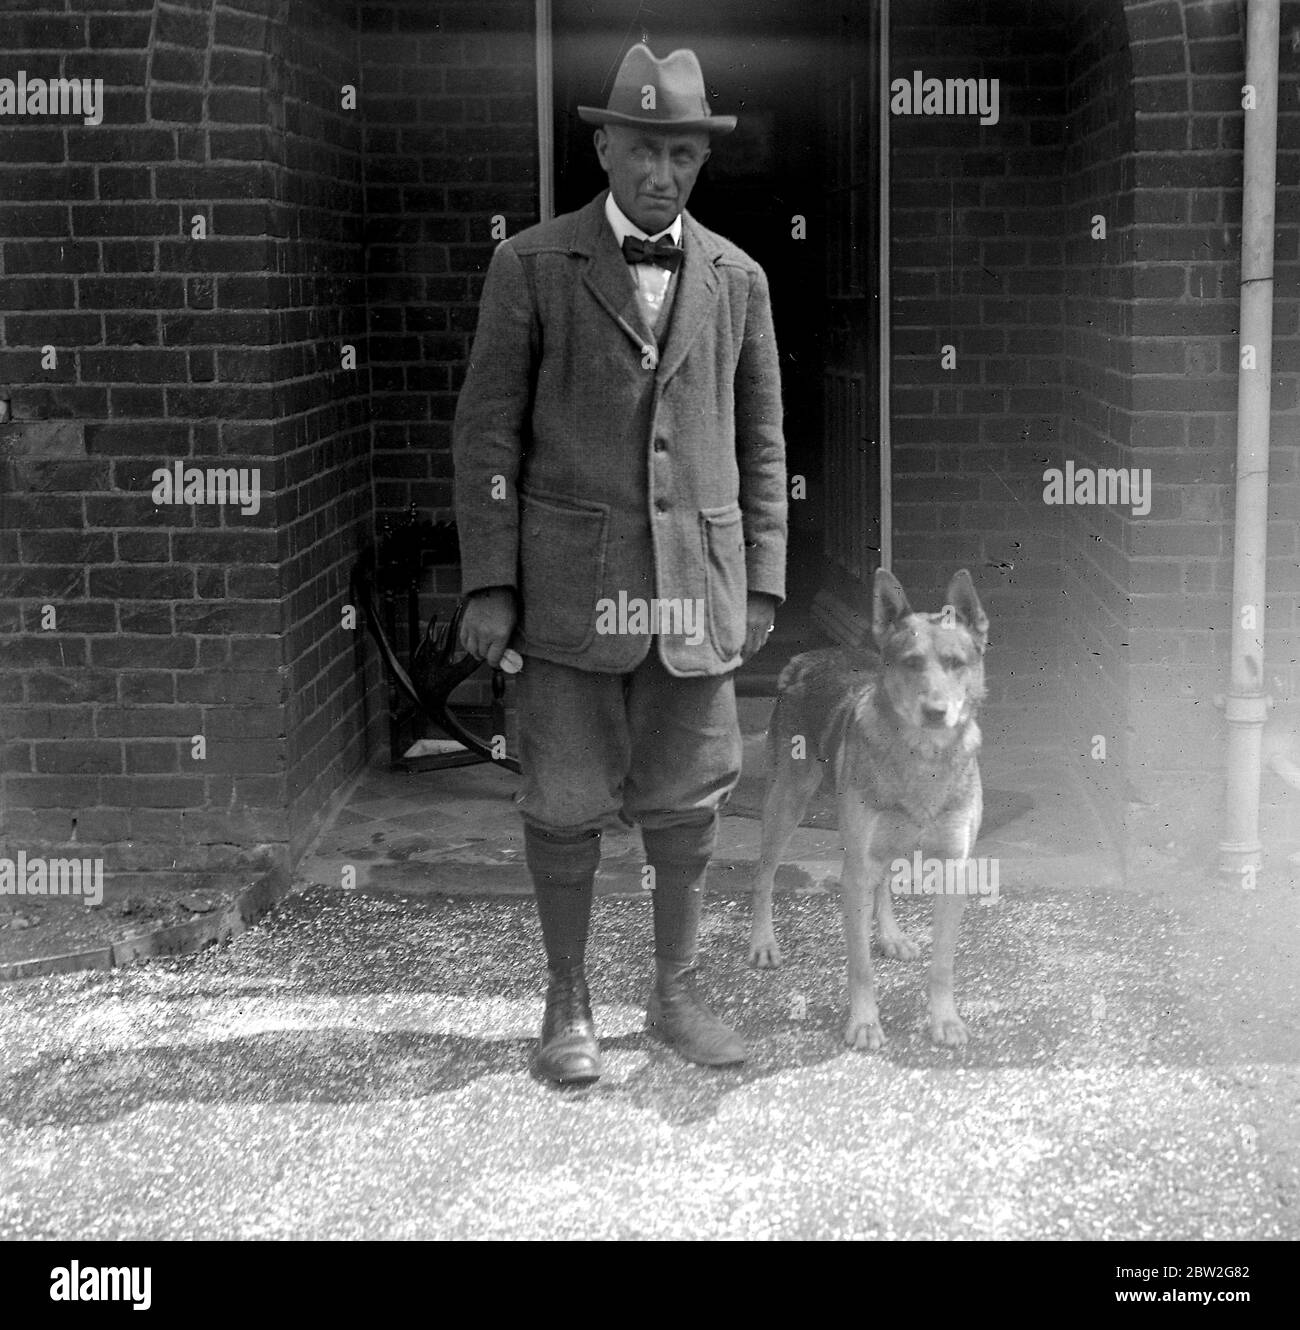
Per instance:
x=763, y=187
x=796, y=186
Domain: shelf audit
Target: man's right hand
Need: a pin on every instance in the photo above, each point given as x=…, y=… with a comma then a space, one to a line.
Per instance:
x=487, y=623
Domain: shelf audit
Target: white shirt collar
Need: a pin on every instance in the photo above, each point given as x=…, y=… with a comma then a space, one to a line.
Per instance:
x=623, y=227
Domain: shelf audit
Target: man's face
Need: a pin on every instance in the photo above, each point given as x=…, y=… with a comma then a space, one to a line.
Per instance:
x=650, y=175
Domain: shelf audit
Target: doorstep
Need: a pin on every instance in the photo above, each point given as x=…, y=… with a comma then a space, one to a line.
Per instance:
x=456, y=833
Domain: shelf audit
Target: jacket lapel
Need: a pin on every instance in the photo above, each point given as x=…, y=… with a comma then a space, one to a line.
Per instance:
x=697, y=295
x=607, y=275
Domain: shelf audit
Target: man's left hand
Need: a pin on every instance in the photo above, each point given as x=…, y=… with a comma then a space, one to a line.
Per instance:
x=760, y=614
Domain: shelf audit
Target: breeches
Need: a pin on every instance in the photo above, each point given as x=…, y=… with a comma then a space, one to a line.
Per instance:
x=644, y=747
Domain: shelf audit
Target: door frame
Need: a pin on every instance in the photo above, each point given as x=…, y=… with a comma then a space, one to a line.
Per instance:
x=543, y=64
x=882, y=285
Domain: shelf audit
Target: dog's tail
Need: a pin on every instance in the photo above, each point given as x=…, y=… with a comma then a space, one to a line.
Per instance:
x=792, y=674
x=815, y=692
x=791, y=671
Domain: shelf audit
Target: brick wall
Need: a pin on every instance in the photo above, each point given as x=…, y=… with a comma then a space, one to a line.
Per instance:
x=451, y=144
x=180, y=621
x=1097, y=312
x=1131, y=111
x=1149, y=597
x=1284, y=476
x=102, y=709
x=324, y=420
x=1186, y=179
x=977, y=264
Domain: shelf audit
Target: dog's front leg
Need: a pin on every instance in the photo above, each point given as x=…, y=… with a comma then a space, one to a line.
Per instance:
x=857, y=892
x=893, y=941
x=793, y=784
x=946, y=1026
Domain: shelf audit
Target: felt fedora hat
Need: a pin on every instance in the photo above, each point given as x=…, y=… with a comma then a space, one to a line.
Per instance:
x=667, y=95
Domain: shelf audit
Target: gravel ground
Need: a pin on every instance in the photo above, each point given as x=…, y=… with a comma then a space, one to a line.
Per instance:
x=357, y=1067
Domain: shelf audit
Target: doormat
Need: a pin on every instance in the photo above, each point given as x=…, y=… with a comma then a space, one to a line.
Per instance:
x=1000, y=806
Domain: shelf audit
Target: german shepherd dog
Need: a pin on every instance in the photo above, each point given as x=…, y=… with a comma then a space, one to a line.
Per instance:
x=897, y=733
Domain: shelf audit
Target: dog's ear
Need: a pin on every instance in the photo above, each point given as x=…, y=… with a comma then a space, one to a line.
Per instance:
x=966, y=605
x=888, y=606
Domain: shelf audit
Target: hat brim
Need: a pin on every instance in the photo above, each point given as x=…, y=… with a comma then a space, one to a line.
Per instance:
x=711, y=124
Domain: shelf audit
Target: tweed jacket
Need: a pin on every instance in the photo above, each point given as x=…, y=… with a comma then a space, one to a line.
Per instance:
x=595, y=472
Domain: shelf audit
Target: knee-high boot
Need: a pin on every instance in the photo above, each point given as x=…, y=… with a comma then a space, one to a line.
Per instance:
x=563, y=869
x=675, y=1014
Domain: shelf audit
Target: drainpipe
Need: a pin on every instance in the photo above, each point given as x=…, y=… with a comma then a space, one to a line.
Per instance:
x=1246, y=704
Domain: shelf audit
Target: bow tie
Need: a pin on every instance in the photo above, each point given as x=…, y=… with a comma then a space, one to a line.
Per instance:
x=663, y=252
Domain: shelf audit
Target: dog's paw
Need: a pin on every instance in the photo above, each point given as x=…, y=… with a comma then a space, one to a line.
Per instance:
x=865, y=1035
x=948, y=1029
x=898, y=946
x=764, y=954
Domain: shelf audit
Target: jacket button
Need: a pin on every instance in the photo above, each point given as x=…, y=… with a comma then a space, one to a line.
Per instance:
x=660, y=446
x=661, y=506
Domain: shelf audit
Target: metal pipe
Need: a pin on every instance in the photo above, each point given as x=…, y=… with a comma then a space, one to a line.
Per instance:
x=542, y=51
x=1247, y=704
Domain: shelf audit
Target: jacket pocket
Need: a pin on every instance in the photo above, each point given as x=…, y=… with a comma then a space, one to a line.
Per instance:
x=724, y=576
x=561, y=568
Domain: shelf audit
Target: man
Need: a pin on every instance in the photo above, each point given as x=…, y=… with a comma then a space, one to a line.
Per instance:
x=621, y=501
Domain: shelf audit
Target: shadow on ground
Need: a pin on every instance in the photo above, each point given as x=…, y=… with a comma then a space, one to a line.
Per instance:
x=1046, y=979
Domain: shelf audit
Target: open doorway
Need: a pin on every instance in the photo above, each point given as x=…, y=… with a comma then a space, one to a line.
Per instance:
x=794, y=186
